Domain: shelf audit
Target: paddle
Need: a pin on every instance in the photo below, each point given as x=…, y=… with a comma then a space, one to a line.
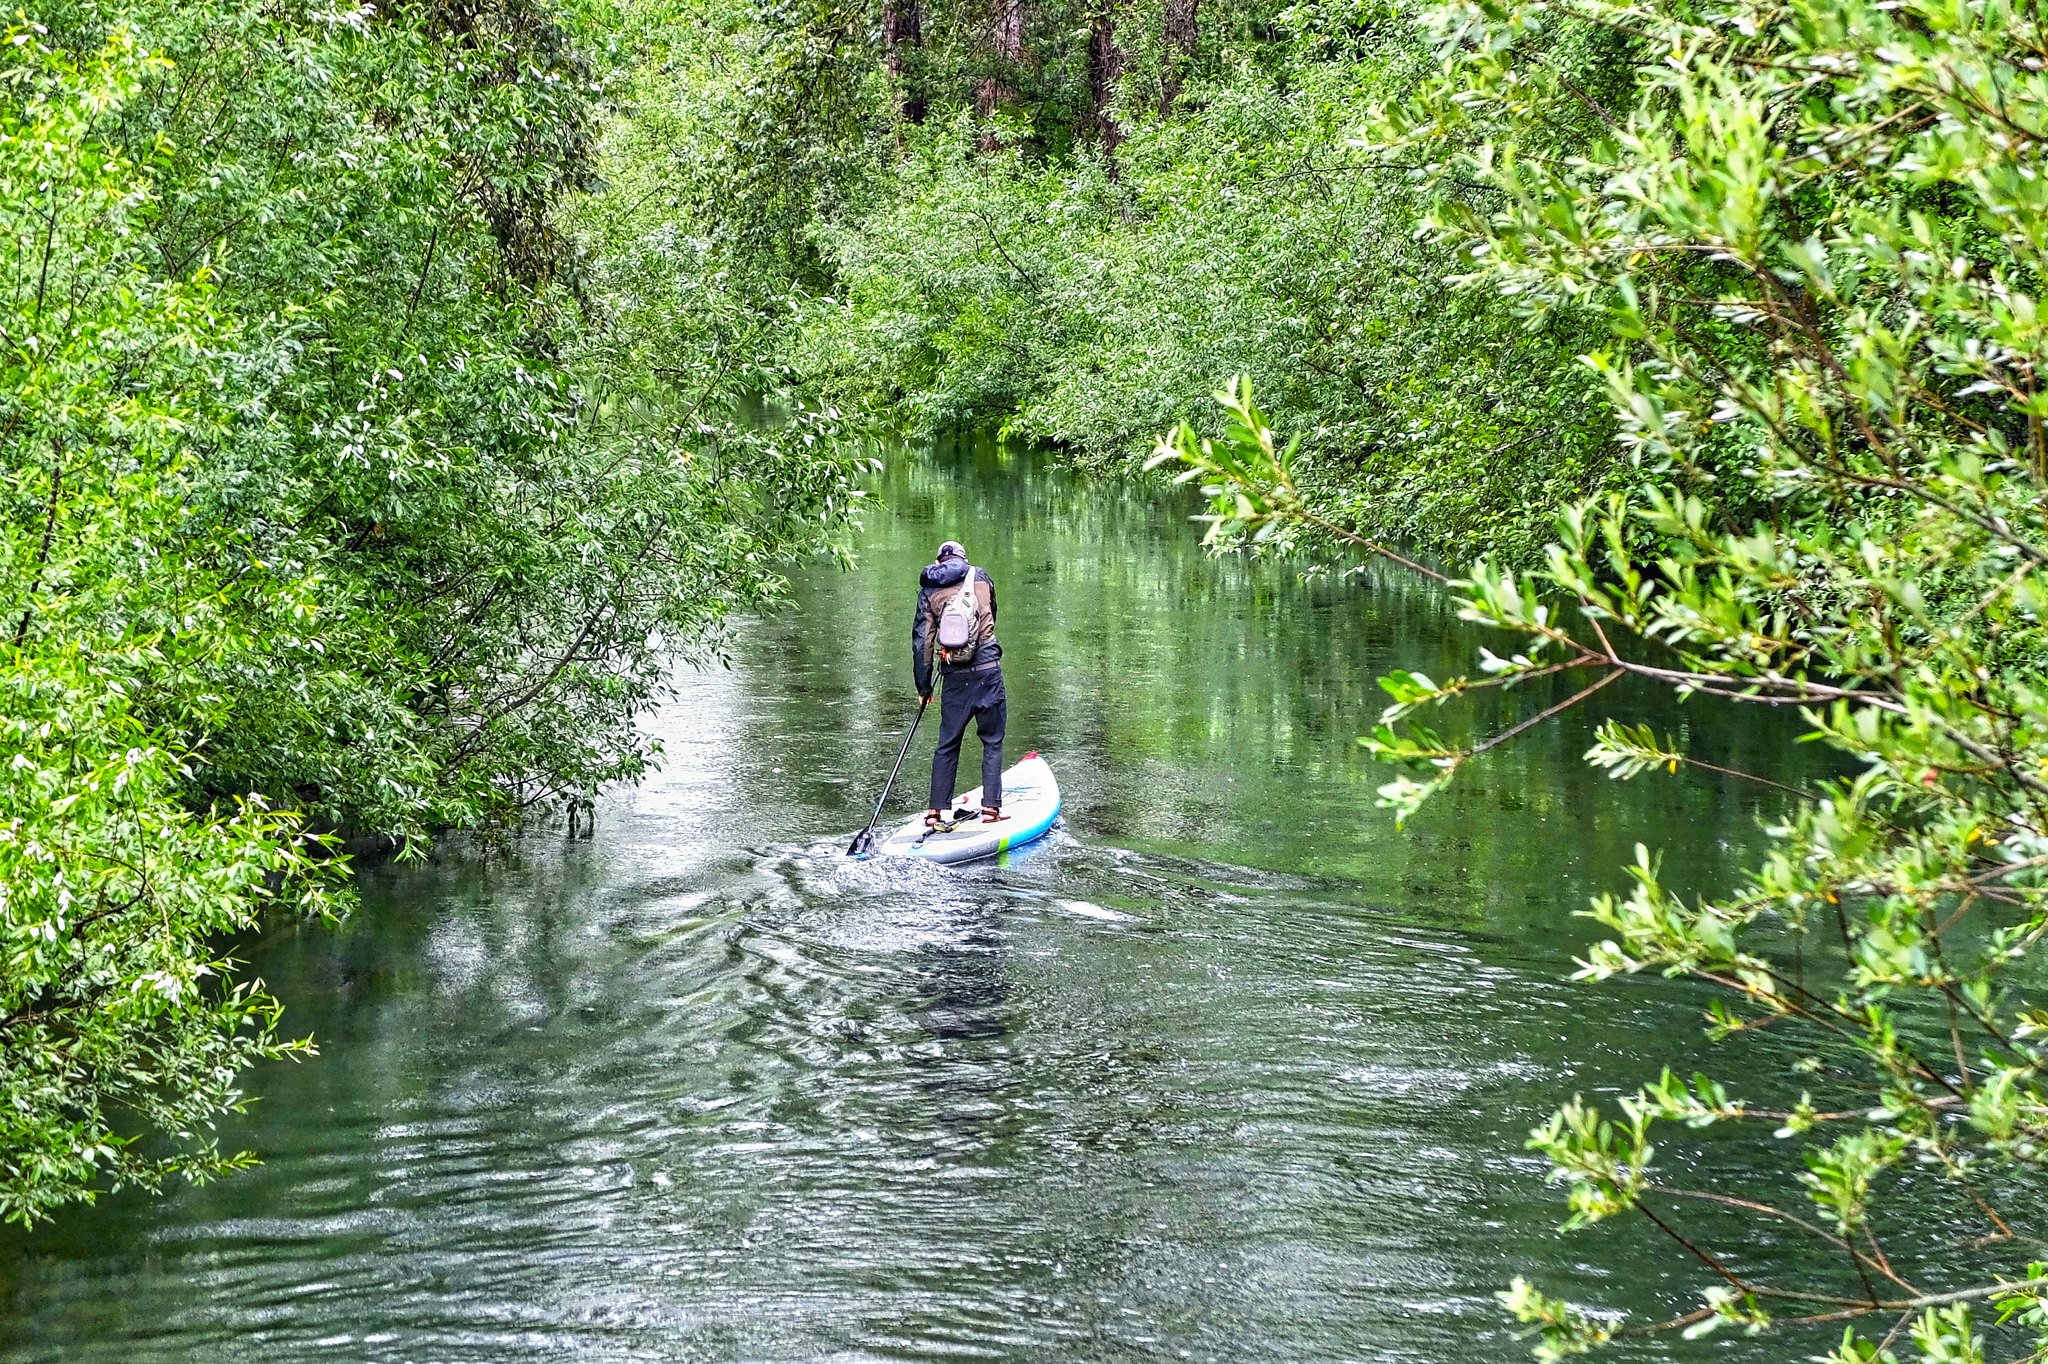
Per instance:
x=864, y=841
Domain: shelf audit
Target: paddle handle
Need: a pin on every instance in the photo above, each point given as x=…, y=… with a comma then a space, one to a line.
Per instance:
x=901, y=754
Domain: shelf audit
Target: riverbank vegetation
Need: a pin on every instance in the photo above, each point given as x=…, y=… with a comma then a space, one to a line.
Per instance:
x=347, y=497
x=1813, y=235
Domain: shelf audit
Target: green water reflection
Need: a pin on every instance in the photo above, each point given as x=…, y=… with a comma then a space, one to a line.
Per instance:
x=1226, y=1069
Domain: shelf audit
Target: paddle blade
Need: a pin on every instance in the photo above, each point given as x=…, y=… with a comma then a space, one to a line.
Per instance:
x=863, y=844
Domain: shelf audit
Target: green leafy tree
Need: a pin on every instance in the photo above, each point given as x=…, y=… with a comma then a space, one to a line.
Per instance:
x=426, y=371
x=1814, y=234
x=353, y=486
x=119, y=1017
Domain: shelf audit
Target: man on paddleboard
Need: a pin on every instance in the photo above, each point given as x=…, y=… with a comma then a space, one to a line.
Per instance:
x=954, y=637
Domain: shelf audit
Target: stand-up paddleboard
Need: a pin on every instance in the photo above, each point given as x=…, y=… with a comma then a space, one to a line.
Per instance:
x=1031, y=799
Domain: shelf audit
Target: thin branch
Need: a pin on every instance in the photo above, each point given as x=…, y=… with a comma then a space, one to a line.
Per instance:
x=49, y=533
x=1543, y=715
x=412, y=304
x=1705, y=1258
x=1375, y=546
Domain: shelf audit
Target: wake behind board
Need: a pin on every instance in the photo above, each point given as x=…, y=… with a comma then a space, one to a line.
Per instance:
x=1031, y=799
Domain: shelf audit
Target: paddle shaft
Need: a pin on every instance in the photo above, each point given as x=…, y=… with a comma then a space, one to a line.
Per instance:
x=901, y=754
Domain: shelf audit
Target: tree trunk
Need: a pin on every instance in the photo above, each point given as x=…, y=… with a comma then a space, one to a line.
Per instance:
x=1105, y=69
x=1006, y=44
x=903, y=31
x=1181, y=34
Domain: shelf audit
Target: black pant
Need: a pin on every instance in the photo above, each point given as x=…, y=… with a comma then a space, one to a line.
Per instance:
x=976, y=696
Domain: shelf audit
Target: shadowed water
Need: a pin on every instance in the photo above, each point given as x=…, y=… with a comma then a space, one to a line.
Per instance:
x=1225, y=1069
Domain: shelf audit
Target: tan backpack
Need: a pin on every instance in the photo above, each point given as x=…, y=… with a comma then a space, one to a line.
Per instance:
x=960, y=625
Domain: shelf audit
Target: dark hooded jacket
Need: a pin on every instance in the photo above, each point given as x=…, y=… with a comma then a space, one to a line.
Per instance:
x=932, y=596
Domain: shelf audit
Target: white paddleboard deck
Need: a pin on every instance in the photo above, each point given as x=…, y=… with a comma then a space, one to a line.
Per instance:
x=1031, y=800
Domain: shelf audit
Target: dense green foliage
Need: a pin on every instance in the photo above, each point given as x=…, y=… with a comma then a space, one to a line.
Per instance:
x=1059, y=259
x=111, y=1000
x=1256, y=235
x=347, y=490
x=1815, y=238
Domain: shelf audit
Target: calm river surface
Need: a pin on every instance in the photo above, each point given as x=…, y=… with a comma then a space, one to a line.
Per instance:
x=1225, y=1069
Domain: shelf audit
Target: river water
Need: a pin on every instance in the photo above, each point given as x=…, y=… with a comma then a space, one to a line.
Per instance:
x=1224, y=1069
